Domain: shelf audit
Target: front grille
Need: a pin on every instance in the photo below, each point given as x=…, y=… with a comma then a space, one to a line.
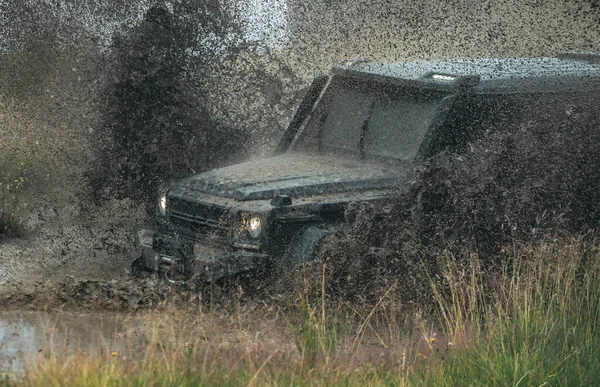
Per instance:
x=197, y=218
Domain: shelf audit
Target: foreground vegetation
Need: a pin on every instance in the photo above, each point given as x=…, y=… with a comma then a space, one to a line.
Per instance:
x=532, y=322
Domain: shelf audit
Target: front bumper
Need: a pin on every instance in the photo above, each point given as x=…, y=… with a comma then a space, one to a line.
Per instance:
x=176, y=256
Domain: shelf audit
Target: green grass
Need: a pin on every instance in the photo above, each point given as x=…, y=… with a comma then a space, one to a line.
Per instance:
x=539, y=327
x=535, y=322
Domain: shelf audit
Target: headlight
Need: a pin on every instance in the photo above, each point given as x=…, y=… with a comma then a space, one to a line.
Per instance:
x=254, y=226
x=252, y=223
x=162, y=204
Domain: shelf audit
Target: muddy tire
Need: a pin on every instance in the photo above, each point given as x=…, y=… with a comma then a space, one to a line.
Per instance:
x=137, y=270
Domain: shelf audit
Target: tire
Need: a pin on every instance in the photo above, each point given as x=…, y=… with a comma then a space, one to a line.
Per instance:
x=137, y=269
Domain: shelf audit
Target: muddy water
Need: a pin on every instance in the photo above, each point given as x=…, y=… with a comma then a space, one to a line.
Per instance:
x=25, y=336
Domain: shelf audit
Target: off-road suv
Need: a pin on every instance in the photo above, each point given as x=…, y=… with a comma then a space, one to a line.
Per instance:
x=358, y=136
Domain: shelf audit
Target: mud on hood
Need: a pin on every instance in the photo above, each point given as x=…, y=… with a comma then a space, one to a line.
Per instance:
x=293, y=174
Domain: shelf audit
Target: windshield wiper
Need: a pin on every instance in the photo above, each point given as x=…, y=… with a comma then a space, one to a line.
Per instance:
x=363, y=132
x=322, y=121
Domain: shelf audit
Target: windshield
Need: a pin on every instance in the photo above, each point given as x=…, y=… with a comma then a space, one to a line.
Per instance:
x=369, y=119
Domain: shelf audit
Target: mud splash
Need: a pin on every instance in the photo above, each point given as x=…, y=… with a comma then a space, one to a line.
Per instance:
x=87, y=295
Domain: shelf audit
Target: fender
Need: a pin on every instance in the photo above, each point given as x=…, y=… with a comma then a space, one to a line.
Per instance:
x=142, y=254
x=304, y=245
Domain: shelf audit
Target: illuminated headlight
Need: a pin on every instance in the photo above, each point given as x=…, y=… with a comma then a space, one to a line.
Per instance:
x=162, y=204
x=253, y=224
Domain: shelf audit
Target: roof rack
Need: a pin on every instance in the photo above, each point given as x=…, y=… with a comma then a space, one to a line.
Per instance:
x=591, y=56
x=464, y=81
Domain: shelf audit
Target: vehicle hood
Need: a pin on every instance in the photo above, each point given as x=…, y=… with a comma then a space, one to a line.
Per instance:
x=295, y=175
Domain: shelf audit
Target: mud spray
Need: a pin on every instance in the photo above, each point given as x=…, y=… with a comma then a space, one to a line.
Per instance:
x=73, y=251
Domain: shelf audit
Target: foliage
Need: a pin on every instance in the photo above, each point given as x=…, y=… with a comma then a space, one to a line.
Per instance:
x=156, y=125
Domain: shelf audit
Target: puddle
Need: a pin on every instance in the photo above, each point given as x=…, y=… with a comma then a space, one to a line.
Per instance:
x=24, y=336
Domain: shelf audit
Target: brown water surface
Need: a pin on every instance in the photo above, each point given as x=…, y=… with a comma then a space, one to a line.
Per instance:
x=25, y=336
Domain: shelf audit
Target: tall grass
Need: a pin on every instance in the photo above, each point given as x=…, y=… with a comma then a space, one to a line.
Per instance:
x=536, y=324
x=534, y=321
x=316, y=333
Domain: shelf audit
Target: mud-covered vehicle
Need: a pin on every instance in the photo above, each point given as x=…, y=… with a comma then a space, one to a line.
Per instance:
x=359, y=135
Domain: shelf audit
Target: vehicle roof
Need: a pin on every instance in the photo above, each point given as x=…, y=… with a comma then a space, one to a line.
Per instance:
x=500, y=74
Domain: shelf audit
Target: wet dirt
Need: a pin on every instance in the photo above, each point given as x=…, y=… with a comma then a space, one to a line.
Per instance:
x=93, y=244
x=81, y=294
x=64, y=283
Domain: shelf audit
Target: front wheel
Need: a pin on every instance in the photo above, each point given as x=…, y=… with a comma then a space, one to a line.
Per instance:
x=137, y=269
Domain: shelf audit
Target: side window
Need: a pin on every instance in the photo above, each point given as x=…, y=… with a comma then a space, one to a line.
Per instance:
x=471, y=116
x=546, y=114
x=561, y=121
x=544, y=117
x=560, y=110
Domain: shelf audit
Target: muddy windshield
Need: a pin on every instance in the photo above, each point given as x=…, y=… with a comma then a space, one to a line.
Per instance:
x=370, y=120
